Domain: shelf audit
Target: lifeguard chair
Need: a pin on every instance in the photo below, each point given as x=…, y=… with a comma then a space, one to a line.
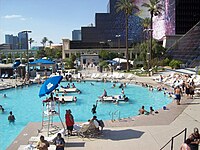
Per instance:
x=51, y=109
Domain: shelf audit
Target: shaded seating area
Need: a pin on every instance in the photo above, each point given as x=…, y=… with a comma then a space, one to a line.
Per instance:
x=43, y=67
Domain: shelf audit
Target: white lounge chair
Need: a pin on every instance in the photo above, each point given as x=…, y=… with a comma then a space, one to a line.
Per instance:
x=32, y=147
x=104, y=75
x=3, y=75
x=93, y=75
x=97, y=76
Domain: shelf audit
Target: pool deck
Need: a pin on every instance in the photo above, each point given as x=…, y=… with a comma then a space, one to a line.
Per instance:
x=141, y=132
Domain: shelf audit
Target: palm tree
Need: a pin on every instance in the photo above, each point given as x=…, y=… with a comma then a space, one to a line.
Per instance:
x=44, y=41
x=126, y=6
x=30, y=42
x=50, y=42
x=155, y=8
x=146, y=25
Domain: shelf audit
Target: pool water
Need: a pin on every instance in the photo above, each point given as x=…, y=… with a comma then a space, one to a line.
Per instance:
x=27, y=106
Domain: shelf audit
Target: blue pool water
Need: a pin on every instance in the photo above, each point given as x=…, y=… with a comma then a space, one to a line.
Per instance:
x=27, y=106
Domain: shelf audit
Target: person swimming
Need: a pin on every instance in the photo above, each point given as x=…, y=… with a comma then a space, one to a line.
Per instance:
x=1, y=109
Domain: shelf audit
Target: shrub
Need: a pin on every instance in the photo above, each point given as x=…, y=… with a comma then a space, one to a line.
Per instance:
x=166, y=61
x=175, y=64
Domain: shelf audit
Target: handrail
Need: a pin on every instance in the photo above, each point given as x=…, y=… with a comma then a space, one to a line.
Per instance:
x=112, y=114
x=172, y=139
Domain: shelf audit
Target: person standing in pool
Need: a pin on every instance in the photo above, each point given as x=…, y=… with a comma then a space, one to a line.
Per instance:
x=11, y=117
x=94, y=108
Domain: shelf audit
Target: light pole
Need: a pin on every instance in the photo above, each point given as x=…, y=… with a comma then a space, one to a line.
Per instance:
x=149, y=50
x=26, y=32
x=118, y=36
x=109, y=43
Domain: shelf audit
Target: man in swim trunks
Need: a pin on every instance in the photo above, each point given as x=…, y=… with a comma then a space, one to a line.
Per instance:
x=177, y=92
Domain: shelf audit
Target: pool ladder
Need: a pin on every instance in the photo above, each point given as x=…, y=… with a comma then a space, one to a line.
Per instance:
x=114, y=115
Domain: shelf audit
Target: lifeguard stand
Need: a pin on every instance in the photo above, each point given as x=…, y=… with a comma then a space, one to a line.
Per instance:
x=51, y=109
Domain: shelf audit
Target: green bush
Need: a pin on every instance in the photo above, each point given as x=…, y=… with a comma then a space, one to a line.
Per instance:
x=166, y=61
x=175, y=64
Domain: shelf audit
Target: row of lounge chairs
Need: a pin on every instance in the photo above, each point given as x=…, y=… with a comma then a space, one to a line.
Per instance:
x=174, y=80
x=114, y=75
x=5, y=76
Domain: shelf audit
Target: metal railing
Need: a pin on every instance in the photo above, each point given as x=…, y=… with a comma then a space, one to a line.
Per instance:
x=115, y=115
x=172, y=139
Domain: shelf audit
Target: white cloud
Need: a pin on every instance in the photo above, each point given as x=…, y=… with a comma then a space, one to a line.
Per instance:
x=14, y=17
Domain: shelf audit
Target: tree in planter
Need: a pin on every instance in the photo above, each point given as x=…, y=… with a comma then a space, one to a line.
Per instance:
x=69, y=62
x=175, y=64
x=103, y=64
x=106, y=55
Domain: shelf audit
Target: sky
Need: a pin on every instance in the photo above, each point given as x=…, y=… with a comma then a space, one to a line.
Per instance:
x=54, y=19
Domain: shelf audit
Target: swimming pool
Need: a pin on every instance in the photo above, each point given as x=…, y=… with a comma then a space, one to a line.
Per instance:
x=27, y=106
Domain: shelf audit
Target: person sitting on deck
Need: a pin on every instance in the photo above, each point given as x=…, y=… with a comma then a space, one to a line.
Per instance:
x=95, y=123
x=42, y=144
x=151, y=110
x=59, y=142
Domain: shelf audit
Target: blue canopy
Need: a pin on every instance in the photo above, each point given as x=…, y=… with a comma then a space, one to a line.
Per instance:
x=49, y=85
x=42, y=61
x=112, y=62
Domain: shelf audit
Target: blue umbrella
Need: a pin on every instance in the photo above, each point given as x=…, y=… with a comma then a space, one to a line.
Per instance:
x=49, y=85
x=16, y=64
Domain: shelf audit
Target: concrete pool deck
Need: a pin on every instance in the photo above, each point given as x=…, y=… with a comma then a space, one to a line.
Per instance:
x=141, y=132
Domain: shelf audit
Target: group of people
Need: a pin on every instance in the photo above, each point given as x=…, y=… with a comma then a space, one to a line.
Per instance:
x=11, y=117
x=68, y=86
x=69, y=120
x=192, y=142
x=58, y=141
x=143, y=111
x=43, y=144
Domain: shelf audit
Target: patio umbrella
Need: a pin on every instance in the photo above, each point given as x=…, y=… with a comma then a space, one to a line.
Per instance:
x=16, y=64
x=49, y=85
